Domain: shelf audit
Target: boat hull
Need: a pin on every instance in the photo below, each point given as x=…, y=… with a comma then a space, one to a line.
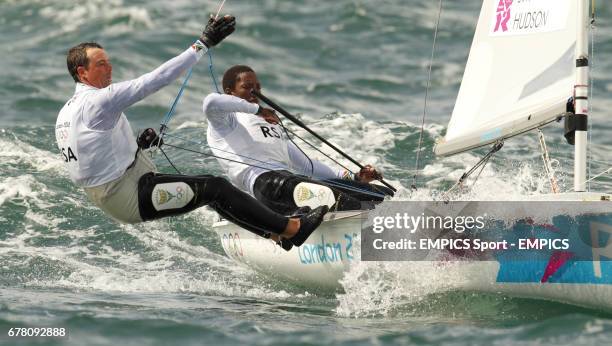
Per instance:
x=334, y=247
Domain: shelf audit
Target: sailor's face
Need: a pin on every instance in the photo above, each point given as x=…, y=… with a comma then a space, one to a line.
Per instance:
x=245, y=82
x=99, y=72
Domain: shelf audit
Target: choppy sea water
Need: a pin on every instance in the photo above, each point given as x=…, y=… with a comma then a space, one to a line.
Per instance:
x=356, y=71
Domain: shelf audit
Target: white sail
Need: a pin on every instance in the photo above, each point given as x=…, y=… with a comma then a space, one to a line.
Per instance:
x=519, y=75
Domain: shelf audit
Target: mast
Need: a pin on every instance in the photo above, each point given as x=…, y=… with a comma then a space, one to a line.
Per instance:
x=581, y=97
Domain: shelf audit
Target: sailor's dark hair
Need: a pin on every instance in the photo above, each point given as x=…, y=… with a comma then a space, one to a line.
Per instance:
x=77, y=56
x=230, y=77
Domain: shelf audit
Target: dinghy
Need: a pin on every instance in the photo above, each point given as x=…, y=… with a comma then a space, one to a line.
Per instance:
x=527, y=60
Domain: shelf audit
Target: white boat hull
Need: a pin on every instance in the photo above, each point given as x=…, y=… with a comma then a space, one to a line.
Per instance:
x=321, y=262
x=306, y=265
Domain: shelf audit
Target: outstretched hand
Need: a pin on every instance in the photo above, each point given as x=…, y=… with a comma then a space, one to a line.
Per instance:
x=217, y=30
x=368, y=173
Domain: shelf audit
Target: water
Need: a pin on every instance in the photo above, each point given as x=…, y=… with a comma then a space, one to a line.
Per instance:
x=356, y=71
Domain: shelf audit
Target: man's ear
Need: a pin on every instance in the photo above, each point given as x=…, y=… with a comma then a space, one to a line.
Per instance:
x=228, y=91
x=81, y=71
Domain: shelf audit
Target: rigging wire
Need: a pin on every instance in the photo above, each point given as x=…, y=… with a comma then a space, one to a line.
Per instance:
x=266, y=165
x=609, y=170
x=481, y=164
x=319, y=150
x=270, y=165
x=213, y=155
x=327, y=181
x=297, y=146
x=431, y=60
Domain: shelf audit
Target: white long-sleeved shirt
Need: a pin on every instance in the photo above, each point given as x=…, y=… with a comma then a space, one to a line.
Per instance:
x=92, y=133
x=236, y=133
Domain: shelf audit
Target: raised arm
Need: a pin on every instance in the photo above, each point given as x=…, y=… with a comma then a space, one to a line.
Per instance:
x=107, y=104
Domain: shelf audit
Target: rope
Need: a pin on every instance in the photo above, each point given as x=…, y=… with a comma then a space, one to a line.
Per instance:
x=170, y=114
x=170, y=162
x=212, y=71
x=219, y=10
x=164, y=125
x=547, y=165
x=431, y=60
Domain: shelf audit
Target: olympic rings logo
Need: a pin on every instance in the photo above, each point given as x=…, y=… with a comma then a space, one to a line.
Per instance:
x=179, y=192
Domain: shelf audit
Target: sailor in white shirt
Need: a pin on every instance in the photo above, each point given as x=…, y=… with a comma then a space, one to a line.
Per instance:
x=257, y=157
x=99, y=149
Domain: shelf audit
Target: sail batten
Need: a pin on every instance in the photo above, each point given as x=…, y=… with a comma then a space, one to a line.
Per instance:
x=519, y=73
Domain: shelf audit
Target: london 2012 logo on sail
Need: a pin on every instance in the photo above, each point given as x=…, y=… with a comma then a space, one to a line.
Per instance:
x=503, y=15
x=516, y=17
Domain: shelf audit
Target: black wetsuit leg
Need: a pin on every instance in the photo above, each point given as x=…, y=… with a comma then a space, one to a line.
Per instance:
x=275, y=190
x=216, y=192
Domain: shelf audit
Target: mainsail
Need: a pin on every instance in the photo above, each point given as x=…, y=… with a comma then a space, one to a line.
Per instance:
x=519, y=75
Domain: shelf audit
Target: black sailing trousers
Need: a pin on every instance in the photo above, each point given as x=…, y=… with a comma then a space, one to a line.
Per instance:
x=275, y=190
x=216, y=192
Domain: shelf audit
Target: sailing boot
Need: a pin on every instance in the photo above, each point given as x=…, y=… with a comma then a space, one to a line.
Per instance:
x=286, y=244
x=308, y=223
x=301, y=211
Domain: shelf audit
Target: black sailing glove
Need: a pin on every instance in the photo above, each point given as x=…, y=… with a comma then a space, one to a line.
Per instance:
x=217, y=30
x=148, y=138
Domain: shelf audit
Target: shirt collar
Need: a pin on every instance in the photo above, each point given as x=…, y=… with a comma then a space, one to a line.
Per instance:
x=82, y=87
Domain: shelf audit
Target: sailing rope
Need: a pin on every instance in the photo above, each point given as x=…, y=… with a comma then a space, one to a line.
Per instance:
x=164, y=125
x=431, y=60
x=550, y=172
x=481, y=164
x=212, y=71
x=170, y=114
